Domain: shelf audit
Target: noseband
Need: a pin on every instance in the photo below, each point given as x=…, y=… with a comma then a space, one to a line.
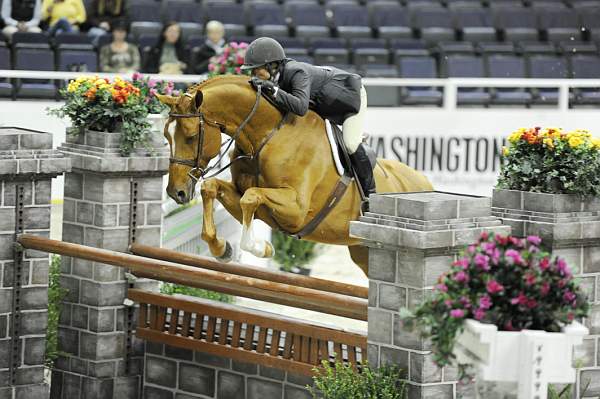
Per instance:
x=195, y=163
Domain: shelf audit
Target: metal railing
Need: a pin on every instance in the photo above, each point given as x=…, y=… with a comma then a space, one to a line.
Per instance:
x=449, y=86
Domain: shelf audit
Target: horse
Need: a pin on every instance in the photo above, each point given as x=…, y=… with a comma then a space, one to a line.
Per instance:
x=282, y=172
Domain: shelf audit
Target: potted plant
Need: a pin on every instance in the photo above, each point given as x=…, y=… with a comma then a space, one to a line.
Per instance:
x=508, y=309
x=292, y=254
x=149, y=88
x=230, y=61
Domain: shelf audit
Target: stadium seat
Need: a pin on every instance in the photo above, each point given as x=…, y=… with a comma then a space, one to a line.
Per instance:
x=467, y=66
x=584, y=4
x=6, y=88
x=68, y=59
x=141, y=10
x=328, y=56
x=189, y=29
x=38, y=59
x=543, y=66
x=559, y=24
x=390, y=20
x=351, y=20
x=536, y=48
x=308, y=20
x=508, y=66
x=305, y=58
x=475, y=24
x=183, y=11
x=460, y=4
x=590, y=21
x=230, y=14
x=517, y=24
x=455, y=48
x=423, y=4
x=505, y=4
x=370, y=52
x=415, y=67
x=139, y=28
x=147, y=41
x=585, y=67
x=379, y=71
x=546, y=4
x=434, y=25
x=573, y=47
x=496, y=48
x=30, y=38
x=76, y=38
x=402, y=47
x=326, y=42
x=267, y=19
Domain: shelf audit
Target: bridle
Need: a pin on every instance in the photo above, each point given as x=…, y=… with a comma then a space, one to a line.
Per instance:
x=197, y=172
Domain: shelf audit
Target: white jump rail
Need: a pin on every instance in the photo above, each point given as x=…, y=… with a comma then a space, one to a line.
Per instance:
x=450, y=86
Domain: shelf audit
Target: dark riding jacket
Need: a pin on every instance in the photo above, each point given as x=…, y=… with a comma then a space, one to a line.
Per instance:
x=333, y=93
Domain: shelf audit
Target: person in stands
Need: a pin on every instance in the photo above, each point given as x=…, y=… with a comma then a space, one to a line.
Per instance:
x=103, y=15
x=168, y=56
x=334, y=94
x=119, y=56
x=63, y=15
x=214, y=44
x=21, y=16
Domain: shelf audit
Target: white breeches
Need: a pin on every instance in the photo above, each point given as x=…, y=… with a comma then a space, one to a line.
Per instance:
x=352, y=128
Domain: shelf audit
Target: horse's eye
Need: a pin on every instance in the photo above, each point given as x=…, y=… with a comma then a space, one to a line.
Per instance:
x=189, y=140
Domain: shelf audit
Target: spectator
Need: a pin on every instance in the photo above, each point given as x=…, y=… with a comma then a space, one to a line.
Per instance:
x=214, y=44
x=21, y=16
x=169, y=55
x=119, y=56
x=104, y=13
x=63, y=15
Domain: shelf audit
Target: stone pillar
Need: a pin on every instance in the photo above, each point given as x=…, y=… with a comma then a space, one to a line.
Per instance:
x=27, y=166
x=570, y=228
x=412, y=239
x=103, y=359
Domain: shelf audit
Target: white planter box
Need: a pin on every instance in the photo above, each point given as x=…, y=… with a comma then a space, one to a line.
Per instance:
x=530, y=358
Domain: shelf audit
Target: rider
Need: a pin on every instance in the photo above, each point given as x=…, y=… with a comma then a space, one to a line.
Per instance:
x=334, y=94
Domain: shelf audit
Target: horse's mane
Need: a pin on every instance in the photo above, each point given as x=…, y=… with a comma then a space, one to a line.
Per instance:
x=217, y=80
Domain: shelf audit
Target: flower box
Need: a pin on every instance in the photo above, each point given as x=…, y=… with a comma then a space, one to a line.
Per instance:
x=528, y=360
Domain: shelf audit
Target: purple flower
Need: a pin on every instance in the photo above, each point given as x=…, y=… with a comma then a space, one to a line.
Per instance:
x=471, y=249
x=485, y=302
x=151, y=83
x=479, y=314
x=569, y=296
x=562, y=267
x=441, y=287
x=136, y=76
x=513, y=257
x=495, y=256
x=535, y=240
x=457, y=313
x=463, y=263
x=494, y=287
x=482, y=261
x=488, y=247
x=461, y=277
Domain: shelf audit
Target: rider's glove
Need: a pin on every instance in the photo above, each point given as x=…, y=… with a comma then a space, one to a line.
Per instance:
x=268, y=87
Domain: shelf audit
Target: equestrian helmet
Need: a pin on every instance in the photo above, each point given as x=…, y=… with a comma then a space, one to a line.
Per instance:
x=263, y=51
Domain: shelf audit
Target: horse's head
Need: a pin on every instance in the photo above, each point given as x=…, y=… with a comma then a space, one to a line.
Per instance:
x=192, y=145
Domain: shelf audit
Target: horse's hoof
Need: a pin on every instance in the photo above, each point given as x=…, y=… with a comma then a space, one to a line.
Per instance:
x=269, y=250
x=227, y=255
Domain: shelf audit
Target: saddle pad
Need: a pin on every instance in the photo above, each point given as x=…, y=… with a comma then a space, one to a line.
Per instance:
x=334, y=148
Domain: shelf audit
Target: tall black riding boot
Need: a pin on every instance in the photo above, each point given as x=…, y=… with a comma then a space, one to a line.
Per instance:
x=364, y=170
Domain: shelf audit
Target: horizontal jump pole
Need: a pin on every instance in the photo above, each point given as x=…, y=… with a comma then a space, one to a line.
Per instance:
x=250, y=271
x=268, y=291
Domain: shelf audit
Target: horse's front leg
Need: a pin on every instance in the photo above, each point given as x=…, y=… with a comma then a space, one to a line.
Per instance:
x=283, y=203
x=227, y=194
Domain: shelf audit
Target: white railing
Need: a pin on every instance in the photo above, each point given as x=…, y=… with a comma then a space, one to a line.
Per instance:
x=449, y=86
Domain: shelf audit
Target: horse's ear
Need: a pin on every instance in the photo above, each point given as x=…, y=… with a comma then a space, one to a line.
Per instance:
x=198, y=99
x=167, y=100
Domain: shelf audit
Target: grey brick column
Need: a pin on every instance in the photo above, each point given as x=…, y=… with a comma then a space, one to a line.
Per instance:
x=103, y=359
x=412, y=239
x=570, y=228
x=26, y=160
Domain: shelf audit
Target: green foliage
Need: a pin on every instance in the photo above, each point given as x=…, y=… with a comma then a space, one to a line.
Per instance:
x=148, y=90
x=551, y=161
x=170, y=289
x=55, y=296
x=343, y=382
x=290, y=251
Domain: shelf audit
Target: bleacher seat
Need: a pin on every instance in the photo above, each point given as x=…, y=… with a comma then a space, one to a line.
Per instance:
x=508, y=66
x=141, y=10
x=379, y=71
x=455, y=48
x=517, y=24
x=267, y=19
x=496, y=47
x=230, y=14
x=529, y=48
x=415, y=67
x=586, y=67
x=543, y=66
x=423, y=4
x=390, y=20
x=68, y=60
x=434, y=25
x=467, y=66
x=504, y=4
x=584, y=4
x=369, y=52
x=329, y=56
x=559, y=24
x=308, y=20
x=326, y=42
x=475, y=24
x=30, y=38
x=6, y=87
x=351, y=20
x=39, y=59
x=590, y=21
x=183, y=11
x=402, y=47
x=139, y=28
x=570, y=47
x=75, y=38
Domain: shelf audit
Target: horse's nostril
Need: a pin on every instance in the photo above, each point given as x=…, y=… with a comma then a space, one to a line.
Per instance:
x=181, y=195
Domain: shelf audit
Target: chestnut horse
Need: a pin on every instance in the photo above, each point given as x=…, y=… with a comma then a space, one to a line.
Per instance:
x=290, y=184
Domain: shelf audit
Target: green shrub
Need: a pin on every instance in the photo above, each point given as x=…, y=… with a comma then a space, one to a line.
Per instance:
x=55, y=296
x=343, y=382
x=290, y=251
x=170, y=289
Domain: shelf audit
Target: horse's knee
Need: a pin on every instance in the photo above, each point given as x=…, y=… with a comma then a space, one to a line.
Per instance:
x=250, y=198
x=209, y=188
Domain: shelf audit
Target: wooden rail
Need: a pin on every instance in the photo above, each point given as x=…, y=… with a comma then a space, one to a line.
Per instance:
x=244, y=334
x=250, y=271
x=284, y=294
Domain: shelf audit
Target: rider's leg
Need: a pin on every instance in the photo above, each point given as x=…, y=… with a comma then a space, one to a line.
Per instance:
x=353, y=133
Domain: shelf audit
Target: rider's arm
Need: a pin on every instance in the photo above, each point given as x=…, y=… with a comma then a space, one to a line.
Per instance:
x=296, y=101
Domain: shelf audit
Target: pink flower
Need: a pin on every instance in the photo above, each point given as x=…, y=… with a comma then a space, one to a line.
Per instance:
x=238, y=70
x=466, y=302
x=569, y=296
x=484, y=236
x=570, y=316
x=168, y=90
x=535, y=240
x=152, y=92
x=520, y=300
x=530, y=278
x=239, y=60
x=471, y=249
x=501, y=240
x=513, y=257
x=485, y=302
x=136, y=76
x=545, y=288
x=562, y=267
x=448, y=303
x=495, y=256
x=488, y=247
x=517, y=242
x=211, y=67
x=531, y=303
x=533, y=249
x=482, y=261
x=544, y=264
x=461, y=277
x=508, y=326
x=457, y=313
x=234, y=45
x=463, y=263
x=243, y=45
x=170, y=84
x=441, y=287
x=152, y=83
x=494, y=287
x=175, y=92
x=479, y=314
